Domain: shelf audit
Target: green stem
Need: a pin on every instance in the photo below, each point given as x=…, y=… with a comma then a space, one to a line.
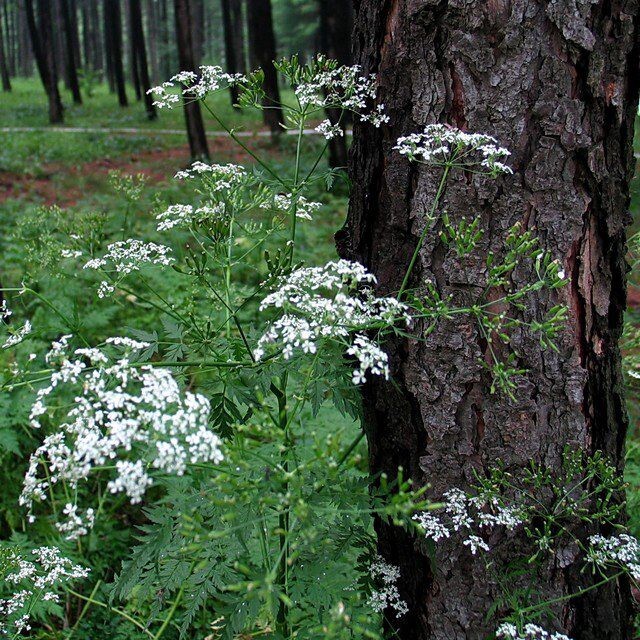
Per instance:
x=87, y=604
x=118, y=612
x=423, y=235
x=171, y=613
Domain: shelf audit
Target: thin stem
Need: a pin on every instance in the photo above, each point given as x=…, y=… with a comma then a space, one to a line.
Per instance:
x=423, y=235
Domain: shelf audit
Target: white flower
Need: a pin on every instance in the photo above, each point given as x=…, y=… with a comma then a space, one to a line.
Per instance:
x=440, y=145
x=136, y=416
x=432, y=525
x=126, y=256
x=476, y=543
x=5, y=312
x=387, y=595
x=622, y=550
x=76, y=525
x=284, y=202
x=329, y=130
x=70, y=253
x=318, y=306
x=18, y=336
x=508, y=631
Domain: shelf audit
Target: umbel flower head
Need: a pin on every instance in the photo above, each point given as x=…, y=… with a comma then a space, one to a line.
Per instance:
x=135, y=418
x=443, y=145
x=326, y=304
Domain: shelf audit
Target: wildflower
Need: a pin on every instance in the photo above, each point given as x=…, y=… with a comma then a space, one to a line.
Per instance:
x=76, y=524
x=622, y=550
x=442, y=145
x=184, y=214
x=387, y=595
x=70, y=253
x=432, y=526
x=311, y=316
x=127, y=256
x=329, y=130
x=136, y=415
x=220, y=177
x=284, y=202
x=476, y=543
x=508, y=631
x=39, y=578
x=5, y=312
x=18, y=336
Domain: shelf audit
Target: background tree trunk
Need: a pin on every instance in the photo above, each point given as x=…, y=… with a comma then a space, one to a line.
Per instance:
x=192, y=113
x=41, y=42
x=233, y=41
x=4, y=67
x=557, y=83
x=137, y=33
x=113, y=35
x=262, y=53
x=336, y=24
x=72, y=71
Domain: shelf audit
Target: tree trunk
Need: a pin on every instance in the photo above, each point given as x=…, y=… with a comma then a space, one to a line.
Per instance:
x=192, y=113
x=72, y=71
x=140, y=50
x=154, y=35
x=4, y=69
x=166, y=68
x=336, y=23
x=23, y=49
x=113, y=35
x=233, y=41
x=558, y=85
x=262, y=53
x=197, y=28
x=41, y=42
x=134, y=64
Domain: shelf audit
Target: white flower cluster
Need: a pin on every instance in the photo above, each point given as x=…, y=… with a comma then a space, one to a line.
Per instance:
x=342, y=88
x=387, y=595
x=283, y=202
x=221, y=177
x=329, y=130
x=5, y=312
x=464, y=513
x=70, y=253
x=39, y=578
x=177, y=215
x=76, y=525
x=508, y=631
x=193, y=85
x=127, y=256
x=120, y=411
x=441, y=145
x=311, y=316
x=18, y=336
x=622, y=550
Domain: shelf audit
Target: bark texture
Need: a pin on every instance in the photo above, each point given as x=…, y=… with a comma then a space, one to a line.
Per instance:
x=557, y=83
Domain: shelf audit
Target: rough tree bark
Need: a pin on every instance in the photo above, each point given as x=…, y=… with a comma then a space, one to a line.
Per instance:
x=192, y=113
x=233, y=41
x=557, y=83
x=113, y=36
x=41, y=43
x=336, y=24
x=262, y=53
x=140, y=50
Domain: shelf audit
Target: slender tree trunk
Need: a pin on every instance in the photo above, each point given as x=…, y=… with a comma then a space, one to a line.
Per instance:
x=197, y=22
x=233, y=41
x=24, y=48
x=336, y=23
x=558, y=84
x=72, y=71
x=113, y=34
x=262, y=53
x=4, y=69
x=137, y=33
x=75, y=33
x=192, y=113
x=154, y=35
x=41, y=41
x=134, y=63
x=165, y=57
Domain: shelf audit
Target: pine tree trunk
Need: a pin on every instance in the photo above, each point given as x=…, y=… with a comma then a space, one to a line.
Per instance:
x=72, y=71
x=233, y=41
x=154, y=35
x=262, y=53
x=4, y=69
x=192, y=113
x=557, y=83
x=113, y=34
x=24, y=51
x=138, y=39
x=41, y=42
x=336, y=23
x=134, y=63
x=166, y=68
